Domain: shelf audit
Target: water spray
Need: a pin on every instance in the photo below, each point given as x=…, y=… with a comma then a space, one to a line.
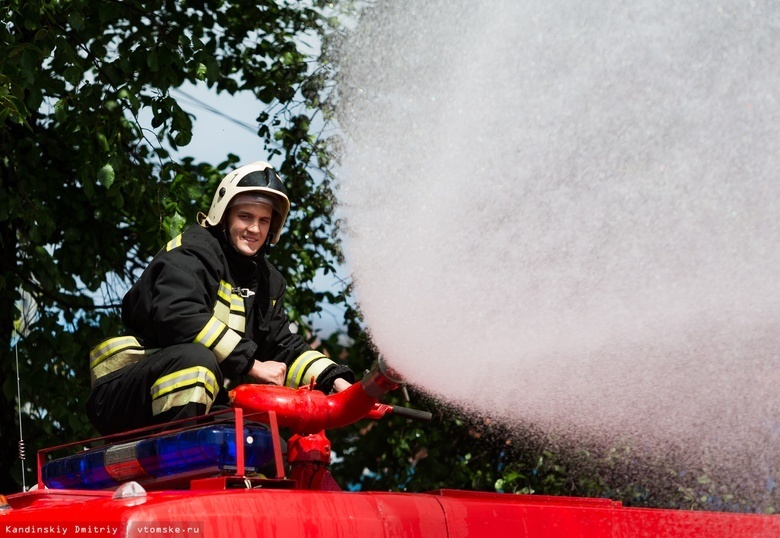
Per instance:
x=570, y=209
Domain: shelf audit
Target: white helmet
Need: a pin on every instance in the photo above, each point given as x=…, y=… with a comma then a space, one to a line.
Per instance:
x=258, y=178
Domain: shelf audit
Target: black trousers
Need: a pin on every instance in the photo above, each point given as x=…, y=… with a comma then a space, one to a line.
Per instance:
x=177, y=382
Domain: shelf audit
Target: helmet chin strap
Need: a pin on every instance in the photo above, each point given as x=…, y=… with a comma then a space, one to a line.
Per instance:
x=266, y=246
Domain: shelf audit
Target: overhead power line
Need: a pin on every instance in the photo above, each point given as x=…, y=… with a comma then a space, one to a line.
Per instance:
x=198, y=103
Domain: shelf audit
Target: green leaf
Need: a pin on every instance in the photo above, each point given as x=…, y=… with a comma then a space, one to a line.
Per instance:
x=108, y=11
x=73, y=75
x=127, y=93
x=200, y=71
x=61, y=110
x=76, y=21
x=175, y=224
x=152, y=60
x=106, y=175
x=183, y=138
x=103, y=143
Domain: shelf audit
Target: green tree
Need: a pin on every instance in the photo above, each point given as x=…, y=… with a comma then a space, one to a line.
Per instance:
x=88, y=193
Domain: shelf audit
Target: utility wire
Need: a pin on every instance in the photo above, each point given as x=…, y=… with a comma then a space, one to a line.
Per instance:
x=194, y=101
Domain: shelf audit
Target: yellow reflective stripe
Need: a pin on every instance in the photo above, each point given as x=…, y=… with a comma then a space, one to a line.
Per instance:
x=184, y=378
x=114, y=354
x=173, y=243
x=209, y=334
x=218, y=338
x=191, y=385
x=117, y=362
x=230, y=308
x=110, y=347
x=224, y=292
x=226, y=345
x=310, y=363
x=222, y=311
x=237, y=320
x=196, y=394
x=295, y=370
x=315, y=370
x=236, y=303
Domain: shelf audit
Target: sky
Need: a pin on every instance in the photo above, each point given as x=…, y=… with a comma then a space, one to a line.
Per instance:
x=227, y=129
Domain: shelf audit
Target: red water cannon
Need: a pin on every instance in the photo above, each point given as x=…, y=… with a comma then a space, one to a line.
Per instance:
x=309, y=412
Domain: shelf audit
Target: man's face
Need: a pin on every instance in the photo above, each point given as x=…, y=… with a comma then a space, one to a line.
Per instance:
x=248, y=226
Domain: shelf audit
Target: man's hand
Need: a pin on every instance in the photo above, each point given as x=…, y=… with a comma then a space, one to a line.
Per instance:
x=340, y=384
x=269, y=372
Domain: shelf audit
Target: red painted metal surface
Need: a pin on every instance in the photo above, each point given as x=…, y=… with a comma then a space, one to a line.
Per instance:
x=270, y=512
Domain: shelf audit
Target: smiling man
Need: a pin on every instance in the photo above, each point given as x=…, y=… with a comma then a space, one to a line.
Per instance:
x=249, y=223
x=209, y=307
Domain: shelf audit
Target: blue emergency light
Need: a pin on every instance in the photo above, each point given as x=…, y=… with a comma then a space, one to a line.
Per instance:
x=208, y=449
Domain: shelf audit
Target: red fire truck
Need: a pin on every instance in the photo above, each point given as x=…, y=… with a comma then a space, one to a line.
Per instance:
x=229, y=477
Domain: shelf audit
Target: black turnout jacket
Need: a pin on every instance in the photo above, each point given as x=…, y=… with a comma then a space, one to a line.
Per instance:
x=200, y=289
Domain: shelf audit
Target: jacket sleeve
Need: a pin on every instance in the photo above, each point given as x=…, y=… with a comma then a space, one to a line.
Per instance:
x=175, y=302
x=278, y=343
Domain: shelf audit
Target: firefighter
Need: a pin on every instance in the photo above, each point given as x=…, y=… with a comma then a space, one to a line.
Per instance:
x=208, y=308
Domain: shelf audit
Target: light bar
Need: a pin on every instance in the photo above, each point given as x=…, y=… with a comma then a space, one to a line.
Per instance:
x=203, y=450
